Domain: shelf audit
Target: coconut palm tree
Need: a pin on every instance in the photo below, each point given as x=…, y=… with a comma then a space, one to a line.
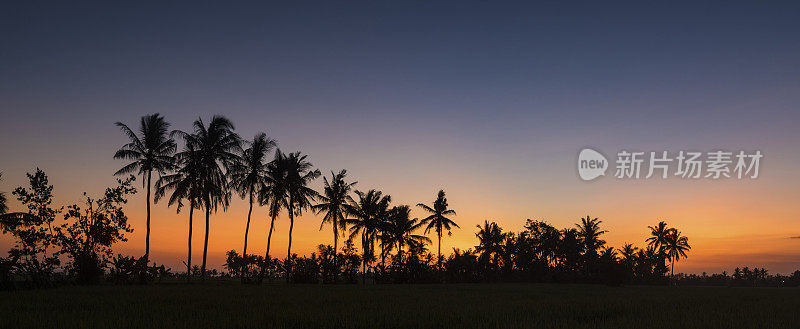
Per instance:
x=658, y=239
x=248, y=178
x=184, y=183
x=274, y=196
x=438, y=220
x=589, y=232
x=150, y=151
x=334, y=202
x=400, y=229
x=299, y=174
x=218, y=146
x=365, y=219
x=676, y=247
x=490, y=242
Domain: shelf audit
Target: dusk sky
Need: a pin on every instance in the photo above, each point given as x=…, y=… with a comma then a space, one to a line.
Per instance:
x=491, y=103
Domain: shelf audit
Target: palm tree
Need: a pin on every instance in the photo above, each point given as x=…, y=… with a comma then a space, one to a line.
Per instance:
x=274, y=196
x=335, y=202
x=676, y=247
x=490, y=242
x=365, y=219
x=299, y=175
x=589, y=232
x=248, y=177
x=150, y=151
x=185, y=185
x=400, y=229
x=658, y=239
x=438, y=221
x=218, y=147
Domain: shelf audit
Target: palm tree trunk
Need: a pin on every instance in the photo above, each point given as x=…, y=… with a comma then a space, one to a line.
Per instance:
x=147, y=236
x=246, y=231
x=269, y=241
x=335, y=252
x=364, y=259
x=289, y=249
x=439, y=257
x=189, y=258
x=205, y=246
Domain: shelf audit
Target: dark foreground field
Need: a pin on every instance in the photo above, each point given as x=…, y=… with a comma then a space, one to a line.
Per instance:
x=399, y=306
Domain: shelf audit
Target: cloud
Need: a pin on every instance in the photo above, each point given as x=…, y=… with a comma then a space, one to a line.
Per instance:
x=794, y=237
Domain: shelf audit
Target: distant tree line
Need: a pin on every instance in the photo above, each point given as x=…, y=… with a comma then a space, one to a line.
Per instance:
x=383, y=243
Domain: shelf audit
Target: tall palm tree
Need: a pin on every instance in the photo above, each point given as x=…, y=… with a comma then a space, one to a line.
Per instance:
x=400, y=229
x=438, y=220
x=676, y=247
x=184, y=183
x=274, y=195
x=218, y=146
x=335, y=201
x=248, y=177
x=365, y=219
x=150, y=151
x=299, y=174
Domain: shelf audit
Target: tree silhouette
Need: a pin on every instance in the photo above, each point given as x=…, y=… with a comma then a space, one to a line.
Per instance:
x=274, y=196
x=400, y=227
x=334, y=202
x=3, y=206
x=490, y=243
x=185, y=184
x=218, y=147
x=299, y=173
x=150, y=151
x=438, y=220
x=676, y=247
x=658, y=239
x=248, y=177
x=366, y=220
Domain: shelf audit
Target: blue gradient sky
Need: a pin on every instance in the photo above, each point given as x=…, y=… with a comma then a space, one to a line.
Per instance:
x=490, y=101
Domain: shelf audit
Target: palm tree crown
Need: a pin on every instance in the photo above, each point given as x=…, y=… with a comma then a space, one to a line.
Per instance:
x=676, y=247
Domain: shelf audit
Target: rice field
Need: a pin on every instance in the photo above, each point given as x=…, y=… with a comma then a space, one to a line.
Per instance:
x=230, y=305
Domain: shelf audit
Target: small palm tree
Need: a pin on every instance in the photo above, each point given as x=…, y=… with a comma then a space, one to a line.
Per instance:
x=438, y=220
x=299, y=174
x=334, y=202
x=658, y=239
x=218, y=147
x=150, y=151
x=365, y=219
x=248, y=178
x=676, y=247
x=589, y=232
x=184, y=183
x=490, y=242
x=400, y=229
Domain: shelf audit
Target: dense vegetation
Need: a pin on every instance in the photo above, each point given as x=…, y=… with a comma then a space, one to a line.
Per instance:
x=383, y=242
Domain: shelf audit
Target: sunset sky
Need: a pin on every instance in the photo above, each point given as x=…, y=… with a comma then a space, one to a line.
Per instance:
x=490, y=102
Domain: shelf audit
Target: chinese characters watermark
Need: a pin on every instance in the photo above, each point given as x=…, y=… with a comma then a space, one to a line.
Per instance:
x=663, y=164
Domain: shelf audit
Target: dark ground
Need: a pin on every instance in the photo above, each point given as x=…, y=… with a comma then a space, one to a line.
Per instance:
x=228, y=304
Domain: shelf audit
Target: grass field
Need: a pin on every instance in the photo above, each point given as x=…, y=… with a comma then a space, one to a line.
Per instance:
x=226, y=304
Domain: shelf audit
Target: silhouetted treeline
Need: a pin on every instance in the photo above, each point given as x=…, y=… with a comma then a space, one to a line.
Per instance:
x=201, y=169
